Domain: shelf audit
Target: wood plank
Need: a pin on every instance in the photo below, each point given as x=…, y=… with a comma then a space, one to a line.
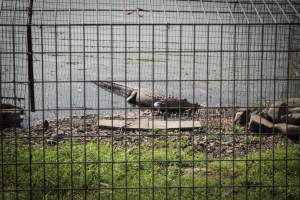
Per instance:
x=148, y=124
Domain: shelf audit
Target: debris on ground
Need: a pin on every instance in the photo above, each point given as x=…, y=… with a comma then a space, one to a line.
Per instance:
x=218, y=135
x=281, y=117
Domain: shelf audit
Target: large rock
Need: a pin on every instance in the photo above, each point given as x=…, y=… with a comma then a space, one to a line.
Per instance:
x=294, y=102
x=10, y=118
x=58, y=135
x=292, y=118
x=294, y=110
x=291, y=131
x=276, y=110
x=264, y=114
x=259, y=124
x=242, y=117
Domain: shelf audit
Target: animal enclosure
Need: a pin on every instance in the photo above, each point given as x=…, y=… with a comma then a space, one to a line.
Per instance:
x=143, y=99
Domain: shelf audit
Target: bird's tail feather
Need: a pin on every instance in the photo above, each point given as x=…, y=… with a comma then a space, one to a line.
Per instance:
x=115, y=88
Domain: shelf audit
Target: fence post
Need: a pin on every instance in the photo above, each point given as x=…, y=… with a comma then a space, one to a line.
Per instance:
x=29, y=58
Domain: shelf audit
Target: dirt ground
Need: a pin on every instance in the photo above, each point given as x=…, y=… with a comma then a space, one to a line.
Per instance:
x=218, y=136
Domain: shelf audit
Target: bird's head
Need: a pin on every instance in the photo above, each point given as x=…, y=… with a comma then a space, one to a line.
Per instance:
x=157, y=105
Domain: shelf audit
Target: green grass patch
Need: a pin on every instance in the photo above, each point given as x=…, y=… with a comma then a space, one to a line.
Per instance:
x=103, y=171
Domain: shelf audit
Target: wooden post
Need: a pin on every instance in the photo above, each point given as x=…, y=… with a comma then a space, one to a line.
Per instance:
x=30, y=59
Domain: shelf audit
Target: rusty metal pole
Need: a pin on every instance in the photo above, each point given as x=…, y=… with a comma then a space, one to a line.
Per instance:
x=30, y=59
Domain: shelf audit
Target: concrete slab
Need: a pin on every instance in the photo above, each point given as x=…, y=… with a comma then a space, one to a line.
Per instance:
x=148, y=124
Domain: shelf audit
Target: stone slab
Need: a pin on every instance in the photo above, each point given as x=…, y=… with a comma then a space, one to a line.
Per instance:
x=242, y=117
x=276, y=110
x=148, y=124
x=291, y=131
x=259, y=124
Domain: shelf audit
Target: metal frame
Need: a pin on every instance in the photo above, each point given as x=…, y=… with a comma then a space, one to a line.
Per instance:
x=237, y=51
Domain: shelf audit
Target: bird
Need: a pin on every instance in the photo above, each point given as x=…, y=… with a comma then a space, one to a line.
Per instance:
x=173, y=104
x=143, y=98
x=45, y=125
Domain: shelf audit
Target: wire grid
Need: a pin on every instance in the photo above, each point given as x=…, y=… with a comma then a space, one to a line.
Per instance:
x=223, y=54
x=12, y=41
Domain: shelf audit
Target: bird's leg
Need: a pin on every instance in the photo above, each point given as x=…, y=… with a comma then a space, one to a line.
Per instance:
x=165, y=114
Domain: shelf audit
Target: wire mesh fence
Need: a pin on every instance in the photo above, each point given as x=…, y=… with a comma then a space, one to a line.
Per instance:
x=150, y=99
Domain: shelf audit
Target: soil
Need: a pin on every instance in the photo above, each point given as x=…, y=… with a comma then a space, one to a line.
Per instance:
x=218, y=137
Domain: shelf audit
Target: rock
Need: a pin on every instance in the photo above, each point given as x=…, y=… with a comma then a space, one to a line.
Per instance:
x=242, y=117
x=190, y=171
x=291, y=131
x=10, y=118
x=264, y=114
x=204, y=170
x=259, y=124
x=51, y=142
x=292, y=118
x=294, y=110
x=294, y=102
x=81, y=129
x=57, y=136
x=276, y=110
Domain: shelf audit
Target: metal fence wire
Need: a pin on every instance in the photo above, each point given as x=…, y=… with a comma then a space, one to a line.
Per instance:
x=166, y=99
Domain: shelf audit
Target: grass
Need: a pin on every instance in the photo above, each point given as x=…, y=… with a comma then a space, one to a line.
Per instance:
x=94, y=169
